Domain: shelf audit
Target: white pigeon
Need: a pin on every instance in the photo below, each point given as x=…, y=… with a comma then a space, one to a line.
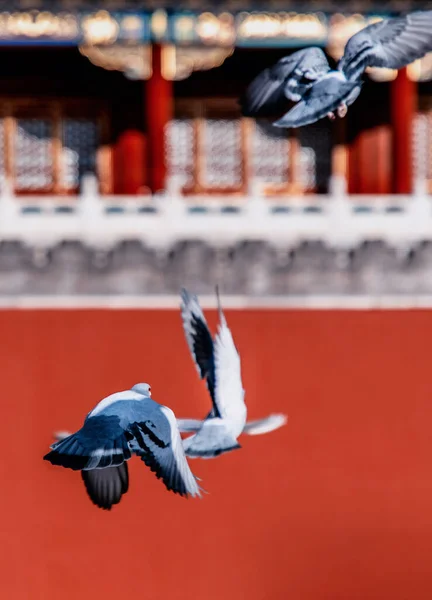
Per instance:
x=218, y=362
x=305, y=76
x=123, y=424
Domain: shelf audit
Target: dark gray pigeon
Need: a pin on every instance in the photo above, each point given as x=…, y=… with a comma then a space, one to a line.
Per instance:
x=305, y=76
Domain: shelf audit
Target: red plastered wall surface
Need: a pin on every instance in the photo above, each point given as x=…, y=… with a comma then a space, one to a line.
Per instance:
x=337, y=505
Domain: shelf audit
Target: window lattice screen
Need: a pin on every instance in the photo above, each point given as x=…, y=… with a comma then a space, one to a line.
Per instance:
x=43, y=150
x=33, y=154
x=269, y=155
x=422, y=146
x=79, y=146
x=222, y=153
x=179, y=150
x=2, y=150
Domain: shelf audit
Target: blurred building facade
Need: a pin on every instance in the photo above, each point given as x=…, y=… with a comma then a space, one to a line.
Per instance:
x=143, y=95
x=142, y=98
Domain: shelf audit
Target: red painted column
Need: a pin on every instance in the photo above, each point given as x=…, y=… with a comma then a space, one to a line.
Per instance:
x=130, y=164
x=403, y=107
x=366, y=161
x=159, y=110
x=370, y=169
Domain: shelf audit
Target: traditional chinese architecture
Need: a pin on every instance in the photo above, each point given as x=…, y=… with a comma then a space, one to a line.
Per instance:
x=127, y=168
x=144, y=95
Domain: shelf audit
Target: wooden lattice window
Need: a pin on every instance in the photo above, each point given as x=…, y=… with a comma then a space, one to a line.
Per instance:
x=212, y=149
x=422, y=148
x=205, y=147
x=47, y=146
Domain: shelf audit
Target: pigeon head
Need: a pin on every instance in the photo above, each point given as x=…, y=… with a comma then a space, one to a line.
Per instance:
x=142, y=388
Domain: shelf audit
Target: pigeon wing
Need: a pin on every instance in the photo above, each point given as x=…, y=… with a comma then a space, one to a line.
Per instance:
x=105, y=487
x=155, y=438
x=229, y=392
x=391, y=43
x=198, y=338
x=266, y=425
x=257, y=427
x=189, y=425
x=100, y=443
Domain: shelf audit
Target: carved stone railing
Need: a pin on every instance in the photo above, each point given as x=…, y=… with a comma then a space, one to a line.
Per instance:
x=337, y=219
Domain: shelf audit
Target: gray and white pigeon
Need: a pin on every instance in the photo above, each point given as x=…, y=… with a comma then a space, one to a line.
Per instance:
x=121, y=425
x=305, y=76
x=218, y=362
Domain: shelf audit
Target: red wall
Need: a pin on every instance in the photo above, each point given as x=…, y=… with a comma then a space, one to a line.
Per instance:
x=337, y=505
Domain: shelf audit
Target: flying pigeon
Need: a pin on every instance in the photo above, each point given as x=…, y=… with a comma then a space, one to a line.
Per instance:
x=305, y=76
x=123, y=424
x=218, y=362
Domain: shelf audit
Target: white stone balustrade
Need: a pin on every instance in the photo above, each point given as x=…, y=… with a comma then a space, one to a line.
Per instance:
x=337, y=219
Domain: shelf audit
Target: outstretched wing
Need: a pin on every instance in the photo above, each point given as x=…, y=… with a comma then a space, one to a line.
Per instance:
x=257, y=427
x=189, y=425
x=266, y=425
x=100, y=443
x=198, y=338
x=229, y=393
x=105, y=487
x=289, y=78
x=156, y=440
x=391, y=43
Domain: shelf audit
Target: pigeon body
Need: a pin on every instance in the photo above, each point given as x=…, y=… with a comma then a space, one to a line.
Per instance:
x=305, y=76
